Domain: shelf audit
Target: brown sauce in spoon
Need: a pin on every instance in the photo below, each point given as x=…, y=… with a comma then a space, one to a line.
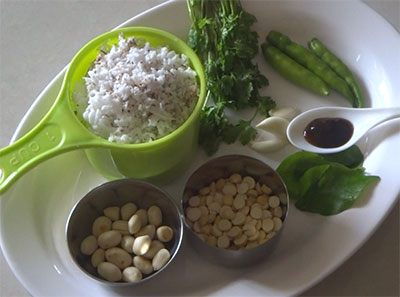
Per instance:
x=328, y=132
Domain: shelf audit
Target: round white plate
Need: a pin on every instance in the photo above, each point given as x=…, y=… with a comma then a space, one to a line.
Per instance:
x=34, y=211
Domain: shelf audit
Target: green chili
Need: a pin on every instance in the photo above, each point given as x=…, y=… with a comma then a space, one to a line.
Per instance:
x=302, y=56
x=293, y=71
x=339, y=67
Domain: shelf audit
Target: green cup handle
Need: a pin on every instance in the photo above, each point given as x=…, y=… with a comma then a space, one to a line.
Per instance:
x=59, y=131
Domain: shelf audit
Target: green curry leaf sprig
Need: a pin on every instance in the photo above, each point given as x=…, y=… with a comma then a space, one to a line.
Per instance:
x=221, y=35
x=325, y=184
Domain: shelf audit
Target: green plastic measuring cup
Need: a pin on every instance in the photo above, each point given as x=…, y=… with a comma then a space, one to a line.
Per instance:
x=62, y=130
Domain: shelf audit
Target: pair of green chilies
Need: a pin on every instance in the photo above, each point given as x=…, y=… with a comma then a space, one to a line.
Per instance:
x=316, y=70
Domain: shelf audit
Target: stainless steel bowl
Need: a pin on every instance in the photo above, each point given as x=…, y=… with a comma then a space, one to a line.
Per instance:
x=223, y=167
x=117, y=193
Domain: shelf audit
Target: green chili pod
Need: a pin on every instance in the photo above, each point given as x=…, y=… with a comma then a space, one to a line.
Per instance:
x=293, y=71
x=339, y=67
x=302, y=56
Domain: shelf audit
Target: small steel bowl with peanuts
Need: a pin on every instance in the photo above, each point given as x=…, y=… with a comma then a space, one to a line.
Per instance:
x=124, y=232
x=234, y=209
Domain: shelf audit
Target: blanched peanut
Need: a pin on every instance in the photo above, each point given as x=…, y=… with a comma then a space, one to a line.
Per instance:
x=127, y=243
x=134, y=224
x=266, y=214
x=193, y=213
x=100, y=225
x=109, y=271
x=97, y=257
x=160, y=259
x=219, y=198
x=155, y=246
x=118, y=257
x=165, y=233
x=143, y=264
x=141, y=245
x=149, y=230
x=109, y=239
x=112, y=212
x=89, y=245
x=154, y=215
x=131, y=274
x=121, y=226
x=142, y=213
x=128, y=210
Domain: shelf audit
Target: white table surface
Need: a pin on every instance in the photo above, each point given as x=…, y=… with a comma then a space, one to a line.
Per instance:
x=32, y=53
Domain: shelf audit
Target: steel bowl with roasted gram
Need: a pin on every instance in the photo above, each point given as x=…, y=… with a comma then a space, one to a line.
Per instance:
x=223, y=168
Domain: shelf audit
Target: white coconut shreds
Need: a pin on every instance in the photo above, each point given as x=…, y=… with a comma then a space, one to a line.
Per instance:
x=137, y=93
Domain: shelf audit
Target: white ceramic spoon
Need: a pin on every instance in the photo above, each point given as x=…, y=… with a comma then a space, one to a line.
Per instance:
x=362, y=120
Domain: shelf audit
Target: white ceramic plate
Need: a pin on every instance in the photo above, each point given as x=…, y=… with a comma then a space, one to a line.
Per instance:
x=311, y=246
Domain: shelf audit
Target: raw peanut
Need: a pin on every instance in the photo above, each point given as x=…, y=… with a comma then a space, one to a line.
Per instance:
x=155, y=246
x=134, y=224
x=101, y=225
x=160, y=259
x=97, y=257
x=128, y=210
x=109, y=271
x=121, y=226
x=149, y=230
x=112, y=212
x=118, y=257
x=154, y=216
x=89, y=245
x=141, y=245
x=143, y=264
x=127, y=243
x=109, y=239
x=142, y=213
x=131, y=274
x=165, y=233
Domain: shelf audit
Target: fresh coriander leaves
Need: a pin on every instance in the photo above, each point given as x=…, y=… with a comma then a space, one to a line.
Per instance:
x=221, y=35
